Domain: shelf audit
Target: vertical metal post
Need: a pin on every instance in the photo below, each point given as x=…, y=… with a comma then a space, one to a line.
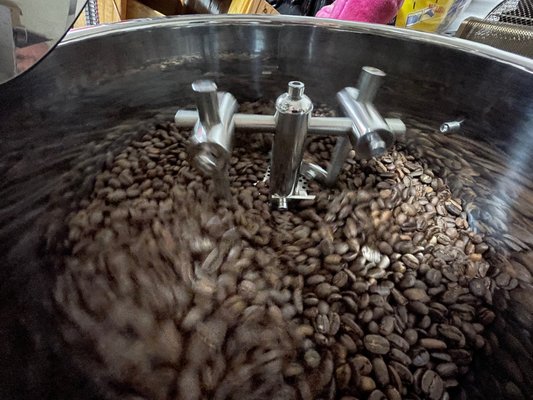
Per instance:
x=293, y=110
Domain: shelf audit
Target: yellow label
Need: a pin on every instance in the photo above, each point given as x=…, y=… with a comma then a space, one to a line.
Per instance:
x=251, y=7
x=423, y=15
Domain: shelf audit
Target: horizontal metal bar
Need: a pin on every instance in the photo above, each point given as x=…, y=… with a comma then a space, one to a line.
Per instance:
x=321, y=126
x=267, y=123
x=330, y=126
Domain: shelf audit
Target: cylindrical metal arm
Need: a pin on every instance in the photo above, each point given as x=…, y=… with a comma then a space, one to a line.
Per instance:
x=293, y=111
x=222, y=133
x=370, y=80
x=370, y=136
x=322, y=126
x=451, y=126
x=206, y=102
x=396, y=126
x=213, y=128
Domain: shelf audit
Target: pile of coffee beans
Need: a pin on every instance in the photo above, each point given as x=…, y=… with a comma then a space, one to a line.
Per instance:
x=377, y=289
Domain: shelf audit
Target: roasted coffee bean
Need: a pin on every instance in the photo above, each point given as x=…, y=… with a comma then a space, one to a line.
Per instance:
x=400, y=356
x=416, y=294
x=351, y=325
x=396, y=380
x=322, y=324
x=452, y=333
x=408, y=281
x=477, y=287
x=441, y=356
x=384, y=264
x=116, y=196
x=432, y=385
x=453, y=207
x=418, y=308
x=367, y=384
x=410, y=261
x=323, y=307
x=380, y=371
x=343, y=375
x=447, y=370
x=312, y=358
x=403, y=372
x=362, y=365
x=424, y=323
x=333, y=261
x=377, y=395
x=323, y=290
x=380, y=289
x=376, y=344
x=348, y=343
x=433, y=277
x=385, y=248
x=334, y=323
x=386, y=326
x=393, y=394
x=398, y=342
x=432, y=344
x=340, y=279
x=411, y=336
x=399, y=297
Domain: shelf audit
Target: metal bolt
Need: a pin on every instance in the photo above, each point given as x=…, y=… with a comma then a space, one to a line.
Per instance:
x=452, y=126
x=282, y=203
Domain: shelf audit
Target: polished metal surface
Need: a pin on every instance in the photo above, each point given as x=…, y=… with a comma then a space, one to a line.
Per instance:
x=213, y=131
x=29, y=29
x=60, y=121
x=370, y=135
x=291, y=123
x=451, y=126
x=293, y=112
x=212, y=139
x=330, y=126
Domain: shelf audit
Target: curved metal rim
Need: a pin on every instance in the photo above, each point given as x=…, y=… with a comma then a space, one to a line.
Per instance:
x=475, y=48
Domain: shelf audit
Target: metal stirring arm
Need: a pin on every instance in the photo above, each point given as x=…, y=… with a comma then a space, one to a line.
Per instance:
x=212, y=139
x=363, y=129
x=370, y=135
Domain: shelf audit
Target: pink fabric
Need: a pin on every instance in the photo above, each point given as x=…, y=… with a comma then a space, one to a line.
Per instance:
x=376, y=11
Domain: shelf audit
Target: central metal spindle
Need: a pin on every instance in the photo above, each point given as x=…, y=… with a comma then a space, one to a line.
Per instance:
x=293, y=111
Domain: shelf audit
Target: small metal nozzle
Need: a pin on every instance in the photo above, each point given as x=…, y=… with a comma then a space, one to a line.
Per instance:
x=204, y=86
x=296, y=90
x=282, y=203
x=452, y=126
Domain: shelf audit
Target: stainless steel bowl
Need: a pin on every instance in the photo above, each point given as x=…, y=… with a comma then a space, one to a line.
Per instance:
x=59, y=121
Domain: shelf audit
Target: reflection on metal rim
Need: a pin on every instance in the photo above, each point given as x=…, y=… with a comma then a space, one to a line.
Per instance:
x=381, y=30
